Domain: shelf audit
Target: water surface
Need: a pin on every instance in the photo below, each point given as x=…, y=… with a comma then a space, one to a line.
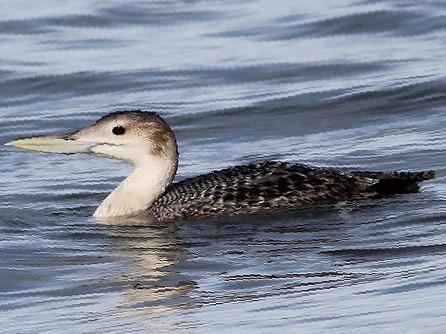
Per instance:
x=357, y=84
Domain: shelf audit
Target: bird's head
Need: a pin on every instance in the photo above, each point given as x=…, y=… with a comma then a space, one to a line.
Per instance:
x=132, y=136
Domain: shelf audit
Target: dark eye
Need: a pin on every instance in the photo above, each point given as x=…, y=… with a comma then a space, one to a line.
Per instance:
x=118, y=130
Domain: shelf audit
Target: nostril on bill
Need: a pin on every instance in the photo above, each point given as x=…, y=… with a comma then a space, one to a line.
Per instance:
x=70, y=136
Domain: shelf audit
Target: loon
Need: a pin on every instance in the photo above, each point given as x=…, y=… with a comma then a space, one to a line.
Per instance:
x=146, y=141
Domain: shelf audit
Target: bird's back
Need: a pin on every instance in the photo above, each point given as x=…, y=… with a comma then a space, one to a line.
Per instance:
x=270, y=184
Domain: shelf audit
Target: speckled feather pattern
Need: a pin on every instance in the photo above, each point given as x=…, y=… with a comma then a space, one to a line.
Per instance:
x=261, y=186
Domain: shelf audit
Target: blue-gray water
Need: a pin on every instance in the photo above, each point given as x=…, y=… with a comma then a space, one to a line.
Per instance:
x=346, y=83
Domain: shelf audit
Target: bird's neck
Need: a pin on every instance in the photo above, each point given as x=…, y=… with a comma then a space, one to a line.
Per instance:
x=141, y=188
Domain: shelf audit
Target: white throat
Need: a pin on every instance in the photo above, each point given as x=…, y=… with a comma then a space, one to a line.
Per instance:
x=141, y=188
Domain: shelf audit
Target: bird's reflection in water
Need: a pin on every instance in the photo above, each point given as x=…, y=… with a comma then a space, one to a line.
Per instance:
x=176, y=265
x=150, y=249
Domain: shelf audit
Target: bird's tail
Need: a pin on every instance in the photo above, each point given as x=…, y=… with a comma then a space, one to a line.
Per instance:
x=390, y=183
